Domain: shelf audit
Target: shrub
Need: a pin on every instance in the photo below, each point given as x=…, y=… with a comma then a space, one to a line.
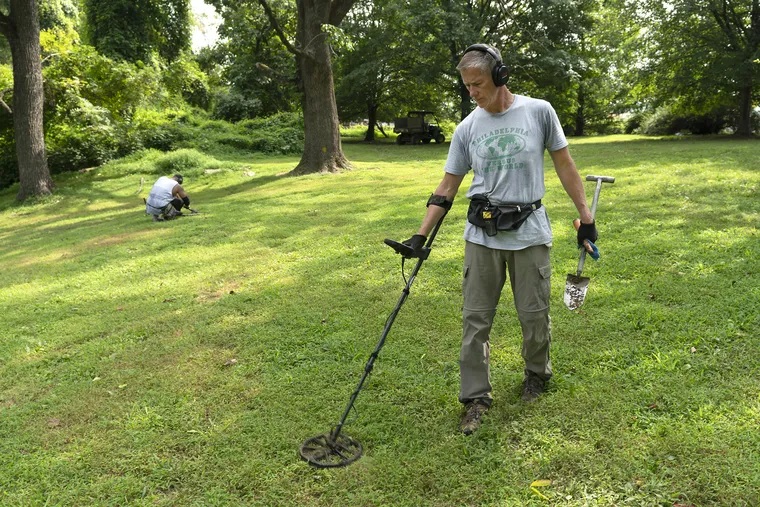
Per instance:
x=159, y=130
x=181, y=161
x=276, y=121
x=88, y=138
x=8, y=161
x=633, y=123
x=665, y=121
x=280, y=133
x=234, y=106
x=183, y=77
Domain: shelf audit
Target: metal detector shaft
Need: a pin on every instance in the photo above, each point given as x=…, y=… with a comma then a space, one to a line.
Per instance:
x=388, y=324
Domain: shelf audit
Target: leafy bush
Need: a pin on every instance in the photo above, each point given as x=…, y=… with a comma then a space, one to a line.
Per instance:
x=8, y=162
x=633, y=123
x=89, y=138
x=665, y=121
x=188, y=162
x=184, y=78
x=276, y=121
x=234, y=106
x=119, y=87
x=160, y=130
x=181, y=161
x=659, y=122
x=279, y=133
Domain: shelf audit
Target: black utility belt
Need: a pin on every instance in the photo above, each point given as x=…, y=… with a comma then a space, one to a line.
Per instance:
x=501, y=217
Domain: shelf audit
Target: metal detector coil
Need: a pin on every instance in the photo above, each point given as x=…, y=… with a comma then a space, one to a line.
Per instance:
x=334, y=449
x=328, y=451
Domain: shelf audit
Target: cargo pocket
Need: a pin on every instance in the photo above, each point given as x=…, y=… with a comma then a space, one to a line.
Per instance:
x=535, y=290
x=544, y=287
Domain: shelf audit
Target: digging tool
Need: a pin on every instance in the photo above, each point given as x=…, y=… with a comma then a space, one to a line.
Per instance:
x=335, y=449
x=576, y=285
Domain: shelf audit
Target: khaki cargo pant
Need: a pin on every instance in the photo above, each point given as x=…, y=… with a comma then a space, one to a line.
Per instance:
x=485, y=273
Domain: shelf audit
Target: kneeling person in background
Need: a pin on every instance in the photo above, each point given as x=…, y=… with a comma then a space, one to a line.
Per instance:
x=166, y=198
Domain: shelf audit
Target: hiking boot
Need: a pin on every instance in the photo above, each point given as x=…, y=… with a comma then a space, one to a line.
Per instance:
x=157, y=218
x=533, y=386
x=471, y=418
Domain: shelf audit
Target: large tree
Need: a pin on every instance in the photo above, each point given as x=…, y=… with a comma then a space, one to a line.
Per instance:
x=20, y=25
x=252, y=61
x=388, y=68
x=704, y=55
x=322, y=146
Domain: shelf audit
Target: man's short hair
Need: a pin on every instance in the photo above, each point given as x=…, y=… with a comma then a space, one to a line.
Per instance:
x=478, y=60
x=179, y=178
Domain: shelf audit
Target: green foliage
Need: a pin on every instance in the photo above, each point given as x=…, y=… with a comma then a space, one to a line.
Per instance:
x=259, y=70
x=282, y=133
x=86, y=137
x=97, y=108
x=666, y=121
x=133, y=31
x=280, y=121
x=83, y=73
x=58, y=14
x=231, y=105
x=161, y=130
x=184, y=160
x=701, y=55
x=8, y=160
x=184, y=78
x=90, y=101
x=388, y=69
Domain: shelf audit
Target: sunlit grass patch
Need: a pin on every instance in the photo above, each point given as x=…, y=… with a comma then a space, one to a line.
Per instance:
x=183, y=363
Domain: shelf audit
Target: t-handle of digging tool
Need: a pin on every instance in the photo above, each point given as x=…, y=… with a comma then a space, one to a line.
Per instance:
x=599, y=180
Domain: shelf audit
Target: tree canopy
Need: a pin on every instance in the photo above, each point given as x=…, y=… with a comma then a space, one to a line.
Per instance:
x=128, y=30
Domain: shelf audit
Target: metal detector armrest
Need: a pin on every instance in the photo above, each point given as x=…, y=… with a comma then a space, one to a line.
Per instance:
x=406, y=251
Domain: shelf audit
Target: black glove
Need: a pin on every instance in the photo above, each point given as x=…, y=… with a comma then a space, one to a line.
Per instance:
x=186, y=201
x=416, y=242
x=587, y=232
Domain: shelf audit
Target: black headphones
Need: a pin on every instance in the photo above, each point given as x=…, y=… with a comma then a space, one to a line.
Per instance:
x=499, y=72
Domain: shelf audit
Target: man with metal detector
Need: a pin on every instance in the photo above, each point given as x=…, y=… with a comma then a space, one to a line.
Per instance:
x=167, y=198
x=507, y=231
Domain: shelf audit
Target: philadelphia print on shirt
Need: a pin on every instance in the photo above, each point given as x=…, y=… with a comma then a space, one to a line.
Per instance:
x=498, y=149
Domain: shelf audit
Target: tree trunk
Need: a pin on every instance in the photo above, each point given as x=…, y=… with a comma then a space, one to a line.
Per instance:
x=322, y=147
x=744, y=123
x=22, y=29
x=372, y=121
x=465, y=103
x=580, y=113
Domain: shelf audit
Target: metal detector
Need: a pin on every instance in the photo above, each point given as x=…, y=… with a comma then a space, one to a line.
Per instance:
x=333, y=449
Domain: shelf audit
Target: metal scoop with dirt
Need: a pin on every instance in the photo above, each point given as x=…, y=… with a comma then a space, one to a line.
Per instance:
x=576, y=285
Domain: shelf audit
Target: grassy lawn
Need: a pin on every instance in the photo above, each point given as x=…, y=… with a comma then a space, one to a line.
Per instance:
x=183, y=363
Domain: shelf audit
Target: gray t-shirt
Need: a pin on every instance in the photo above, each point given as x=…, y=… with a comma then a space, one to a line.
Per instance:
x=506, y=154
